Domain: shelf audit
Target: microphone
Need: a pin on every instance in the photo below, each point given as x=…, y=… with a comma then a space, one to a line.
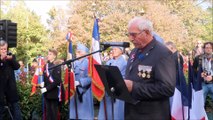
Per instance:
x=121, y=44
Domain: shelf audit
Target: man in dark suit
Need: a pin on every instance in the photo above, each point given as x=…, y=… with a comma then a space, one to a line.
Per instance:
x=8, y=90
x=150, y=74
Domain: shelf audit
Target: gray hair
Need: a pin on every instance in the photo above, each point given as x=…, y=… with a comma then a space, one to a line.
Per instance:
x=2, y=43
x=142, y=23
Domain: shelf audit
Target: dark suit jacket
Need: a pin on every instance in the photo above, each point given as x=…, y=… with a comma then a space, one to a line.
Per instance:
x=153, y=92
x=7, y=80
x=52, y=87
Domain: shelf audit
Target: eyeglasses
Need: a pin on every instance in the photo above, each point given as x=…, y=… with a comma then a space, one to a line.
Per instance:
x=133, y=34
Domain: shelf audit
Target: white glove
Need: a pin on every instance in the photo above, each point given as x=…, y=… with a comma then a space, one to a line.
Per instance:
x=43, y=90
x=42, y=85
x=77, y=83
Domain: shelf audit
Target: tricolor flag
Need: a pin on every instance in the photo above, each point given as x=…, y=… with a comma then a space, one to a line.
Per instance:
x=69, y=38
x=69, y=77
x=38, y=75
x=97, y=85
x=180, y=99
x=197, y=110
x=69, y=92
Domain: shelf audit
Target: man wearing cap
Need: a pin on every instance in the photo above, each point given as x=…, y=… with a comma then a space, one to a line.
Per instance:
x=81, y=105
x=113, y=107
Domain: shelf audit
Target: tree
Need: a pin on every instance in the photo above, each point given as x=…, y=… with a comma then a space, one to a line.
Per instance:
x=180, y=21
x=194, y=18
x=32, y=35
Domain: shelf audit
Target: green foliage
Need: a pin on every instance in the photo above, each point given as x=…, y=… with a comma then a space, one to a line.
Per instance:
x=28, y=103
x=208, y=24
x=32, y=34
x=197, y=21
x=179, y=21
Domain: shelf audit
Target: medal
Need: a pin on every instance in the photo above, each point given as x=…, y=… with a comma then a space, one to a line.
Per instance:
x=149, y=73
x=144, y=75
x=139, y=74
x=144, y=71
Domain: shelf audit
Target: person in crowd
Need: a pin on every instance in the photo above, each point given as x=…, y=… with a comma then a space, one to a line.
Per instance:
x=203, y=65
x=110, y=55
x=22, y=72
x=52, y=86
x=114, y=107
x=33, y=67
x=177, y=56
x=158, y=38
x=105, y=57
x=81, y=105
x=17, y=77
x=186, y=63
x=150, y=74
x=8, y=89
x=198, y=50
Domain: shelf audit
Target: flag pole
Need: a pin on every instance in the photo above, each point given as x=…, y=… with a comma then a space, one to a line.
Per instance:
x=104, y=98
x=69, y=38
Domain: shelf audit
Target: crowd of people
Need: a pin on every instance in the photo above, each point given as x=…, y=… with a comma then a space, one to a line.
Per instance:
x=149, y=72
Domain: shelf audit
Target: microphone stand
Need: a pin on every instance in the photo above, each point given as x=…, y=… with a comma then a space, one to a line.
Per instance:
x=68, y=63
x=72, y=60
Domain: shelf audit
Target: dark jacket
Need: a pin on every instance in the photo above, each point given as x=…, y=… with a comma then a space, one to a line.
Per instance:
x=177, y=56
x=197, y=64
x=52, y=87
x=153, y=73
x=7, y=80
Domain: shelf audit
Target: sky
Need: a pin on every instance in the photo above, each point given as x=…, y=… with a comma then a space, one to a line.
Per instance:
x=41, y=7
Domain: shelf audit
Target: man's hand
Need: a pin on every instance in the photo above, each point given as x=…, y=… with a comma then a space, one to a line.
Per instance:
x=208, y=78
x=43, y=90
x=203, y=74
x=9, y=57
x=77, y=83
x=6, y=57
x=42, y=85
x=129, y=84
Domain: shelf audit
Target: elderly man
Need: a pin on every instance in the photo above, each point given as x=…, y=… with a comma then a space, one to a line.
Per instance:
x=81, y=105
x=150, y=74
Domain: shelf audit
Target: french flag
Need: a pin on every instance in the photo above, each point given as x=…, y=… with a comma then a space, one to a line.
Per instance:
x=197, y=110
x=97, y=85
x=69, y=38
x=38, y=75
x=69, y=91
x=180, y=100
